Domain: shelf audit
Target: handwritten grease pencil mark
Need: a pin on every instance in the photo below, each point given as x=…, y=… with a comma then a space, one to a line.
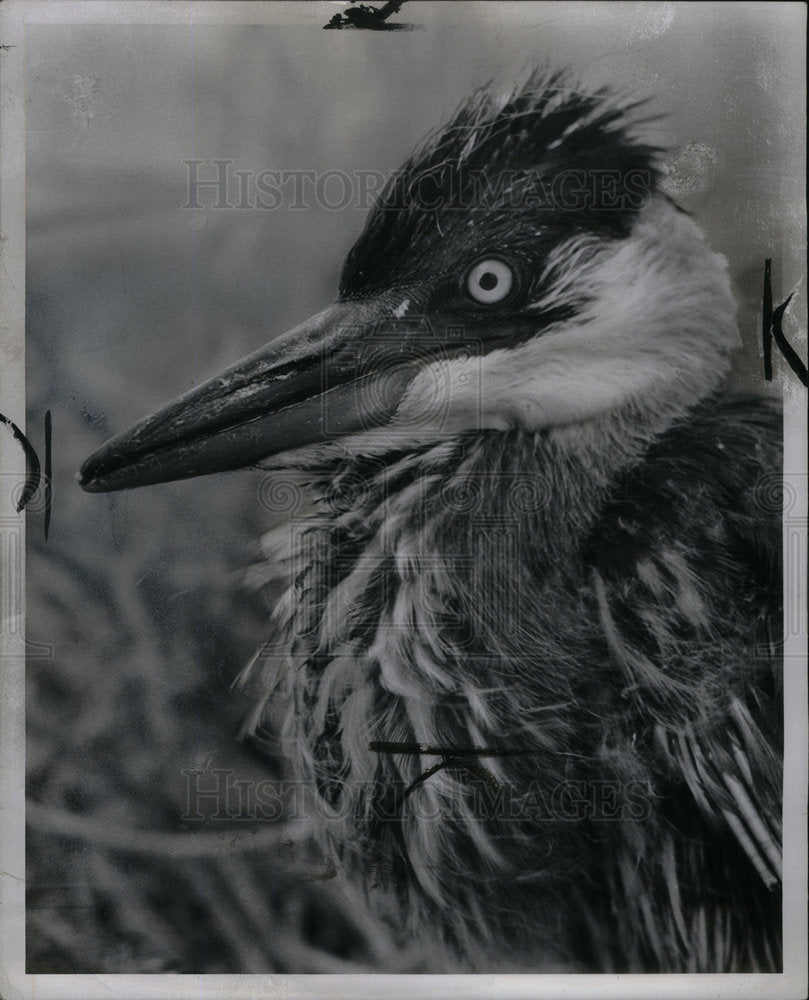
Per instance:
x=771, y=330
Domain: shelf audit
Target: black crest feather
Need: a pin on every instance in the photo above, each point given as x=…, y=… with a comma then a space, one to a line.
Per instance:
x=547, y=157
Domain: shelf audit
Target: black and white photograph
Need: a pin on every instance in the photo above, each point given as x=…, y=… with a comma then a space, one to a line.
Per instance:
x=404, y=477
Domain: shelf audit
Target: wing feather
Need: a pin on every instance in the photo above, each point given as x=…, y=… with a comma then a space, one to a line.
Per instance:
x=687, y=588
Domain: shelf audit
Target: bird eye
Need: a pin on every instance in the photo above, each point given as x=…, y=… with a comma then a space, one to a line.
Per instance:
x=489, y=281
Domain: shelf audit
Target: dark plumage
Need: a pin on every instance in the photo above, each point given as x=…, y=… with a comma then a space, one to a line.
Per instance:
x=492, y=166
x=543, y=538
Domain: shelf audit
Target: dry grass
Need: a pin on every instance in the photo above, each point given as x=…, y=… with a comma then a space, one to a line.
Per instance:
x=136, y=697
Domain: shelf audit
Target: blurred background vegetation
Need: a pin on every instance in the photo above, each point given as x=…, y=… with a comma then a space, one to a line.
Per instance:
x=140, y=599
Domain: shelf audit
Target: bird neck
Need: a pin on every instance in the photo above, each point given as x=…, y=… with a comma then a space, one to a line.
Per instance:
x=551, y=482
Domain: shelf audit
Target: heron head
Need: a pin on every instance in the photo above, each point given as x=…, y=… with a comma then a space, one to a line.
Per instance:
x=521, y=270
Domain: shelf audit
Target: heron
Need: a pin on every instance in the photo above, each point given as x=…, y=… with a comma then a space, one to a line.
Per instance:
x=528, y=652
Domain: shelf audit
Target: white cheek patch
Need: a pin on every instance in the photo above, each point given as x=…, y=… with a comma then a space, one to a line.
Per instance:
x=548, y=382
x=401, y=310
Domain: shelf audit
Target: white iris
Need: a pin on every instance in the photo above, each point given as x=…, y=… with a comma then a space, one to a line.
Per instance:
x=489, y=281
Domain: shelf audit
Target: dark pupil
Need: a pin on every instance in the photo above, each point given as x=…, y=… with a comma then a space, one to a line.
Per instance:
x=488, y=281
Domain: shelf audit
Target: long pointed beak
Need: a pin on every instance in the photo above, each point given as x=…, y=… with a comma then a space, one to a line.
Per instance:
x=309, y=385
